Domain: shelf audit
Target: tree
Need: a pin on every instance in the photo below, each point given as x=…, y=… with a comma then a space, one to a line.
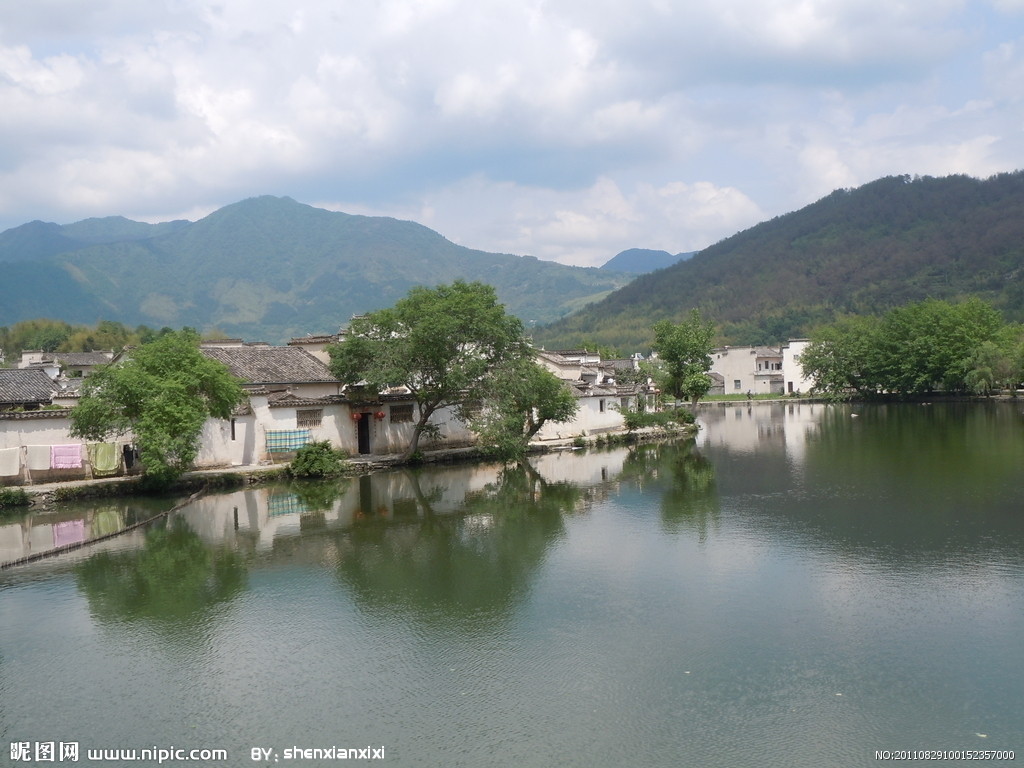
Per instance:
x=442, y=343
x=841, y=357
x=162, y=394
x=685, y=350
x=914, y=349
x=523, y=397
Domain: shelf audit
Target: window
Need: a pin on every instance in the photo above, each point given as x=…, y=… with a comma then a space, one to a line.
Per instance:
x=232, y=430
x=600, y=405
x=401, y=413
x=309, y=418
x=736, y=384
x=624, y=403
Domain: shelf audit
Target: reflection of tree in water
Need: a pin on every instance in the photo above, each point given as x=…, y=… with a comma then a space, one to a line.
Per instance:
x=175, y=576
x=318, y=495
x=689, y=498
x=467, y=567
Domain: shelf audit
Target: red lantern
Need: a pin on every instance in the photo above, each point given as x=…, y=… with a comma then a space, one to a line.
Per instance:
x=356, y=416
x=379, y=414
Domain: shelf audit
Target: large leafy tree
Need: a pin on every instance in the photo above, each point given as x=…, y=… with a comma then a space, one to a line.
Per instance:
x=915, y=349
x=685, y=352
x=842, y=357
x=442, y=343
x=161, y=394
x=523, y=397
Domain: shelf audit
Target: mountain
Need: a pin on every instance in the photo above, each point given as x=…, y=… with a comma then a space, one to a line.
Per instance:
x=892, y=241
x=264, y=268
x=638, y=261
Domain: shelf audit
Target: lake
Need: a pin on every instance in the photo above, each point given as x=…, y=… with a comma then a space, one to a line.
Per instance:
x=799, y=585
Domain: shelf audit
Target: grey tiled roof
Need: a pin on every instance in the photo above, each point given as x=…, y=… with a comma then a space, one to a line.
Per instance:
x=261, y=364
x=76, y=359
x=25, y=385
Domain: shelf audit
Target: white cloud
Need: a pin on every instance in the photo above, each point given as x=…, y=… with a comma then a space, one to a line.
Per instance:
x=562, y=128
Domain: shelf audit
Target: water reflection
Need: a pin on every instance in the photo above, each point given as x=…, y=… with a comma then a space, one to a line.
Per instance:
x=466, y=569
x=174, y=577
x=36, y=533
x=685, y=479
x=891, y=484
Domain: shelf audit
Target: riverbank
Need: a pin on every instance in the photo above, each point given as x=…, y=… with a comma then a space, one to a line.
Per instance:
x=46, y=496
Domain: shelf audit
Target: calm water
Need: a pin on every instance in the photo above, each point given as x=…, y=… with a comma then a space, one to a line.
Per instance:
x=799, y=586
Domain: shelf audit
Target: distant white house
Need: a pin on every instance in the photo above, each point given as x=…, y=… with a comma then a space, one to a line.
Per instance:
x=761, y=370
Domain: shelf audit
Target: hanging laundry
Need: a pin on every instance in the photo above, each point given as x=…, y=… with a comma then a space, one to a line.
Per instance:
x=130, y=454
x=285, y=440
x=66, y=456
x=10, y=462
x=38, y=457
x=104, y=458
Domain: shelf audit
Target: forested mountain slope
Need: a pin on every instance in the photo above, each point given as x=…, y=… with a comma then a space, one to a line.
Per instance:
x=264, y=268
x=863, y=250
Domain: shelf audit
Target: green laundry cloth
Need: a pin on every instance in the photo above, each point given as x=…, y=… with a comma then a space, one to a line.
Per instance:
x=105, y=458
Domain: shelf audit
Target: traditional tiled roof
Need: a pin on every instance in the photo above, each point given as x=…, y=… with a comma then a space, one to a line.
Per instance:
x=261, y=364
x=79, y=359
x=287, y=399
x=25, y=385
x=322, y=339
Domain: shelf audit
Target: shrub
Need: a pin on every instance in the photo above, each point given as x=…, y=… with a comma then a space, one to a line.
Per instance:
x=13, y=497
x=638, y=419
x=318, y=459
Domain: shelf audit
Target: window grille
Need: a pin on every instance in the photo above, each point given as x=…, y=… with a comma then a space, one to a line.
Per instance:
x=401, y=413
x=309, y=418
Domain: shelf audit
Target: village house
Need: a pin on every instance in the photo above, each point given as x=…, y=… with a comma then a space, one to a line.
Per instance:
x=292, y=399
x=601, y=388
x=759, y=370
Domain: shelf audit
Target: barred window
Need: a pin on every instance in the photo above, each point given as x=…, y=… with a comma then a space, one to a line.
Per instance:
x=309, y=418
x=401, y=413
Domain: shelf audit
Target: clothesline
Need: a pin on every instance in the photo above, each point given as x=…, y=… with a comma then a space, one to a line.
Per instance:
x=102, y=459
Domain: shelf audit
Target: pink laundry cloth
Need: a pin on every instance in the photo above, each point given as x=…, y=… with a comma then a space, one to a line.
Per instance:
x=66, y=456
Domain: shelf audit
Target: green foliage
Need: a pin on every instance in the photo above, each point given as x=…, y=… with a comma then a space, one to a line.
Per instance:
x=10, y=498
x=639, y=419
x=442, y=343
x=59, y=336
x=916, y=349
x=685, y=352
x=522, y=396
x=318, y=459
x=162, y=394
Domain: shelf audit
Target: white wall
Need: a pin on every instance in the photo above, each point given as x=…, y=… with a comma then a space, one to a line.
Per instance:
x=792, y=369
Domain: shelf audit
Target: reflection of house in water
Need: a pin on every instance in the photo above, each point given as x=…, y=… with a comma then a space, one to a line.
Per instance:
x=260, y=515
x=738, y=426
x=582, y=468
x=34, y=534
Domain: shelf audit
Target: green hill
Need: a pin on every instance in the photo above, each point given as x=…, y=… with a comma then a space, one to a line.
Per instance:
x=265, y=268
x=864, y=250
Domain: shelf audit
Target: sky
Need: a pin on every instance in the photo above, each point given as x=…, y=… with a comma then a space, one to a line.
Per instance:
x=564, y=129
